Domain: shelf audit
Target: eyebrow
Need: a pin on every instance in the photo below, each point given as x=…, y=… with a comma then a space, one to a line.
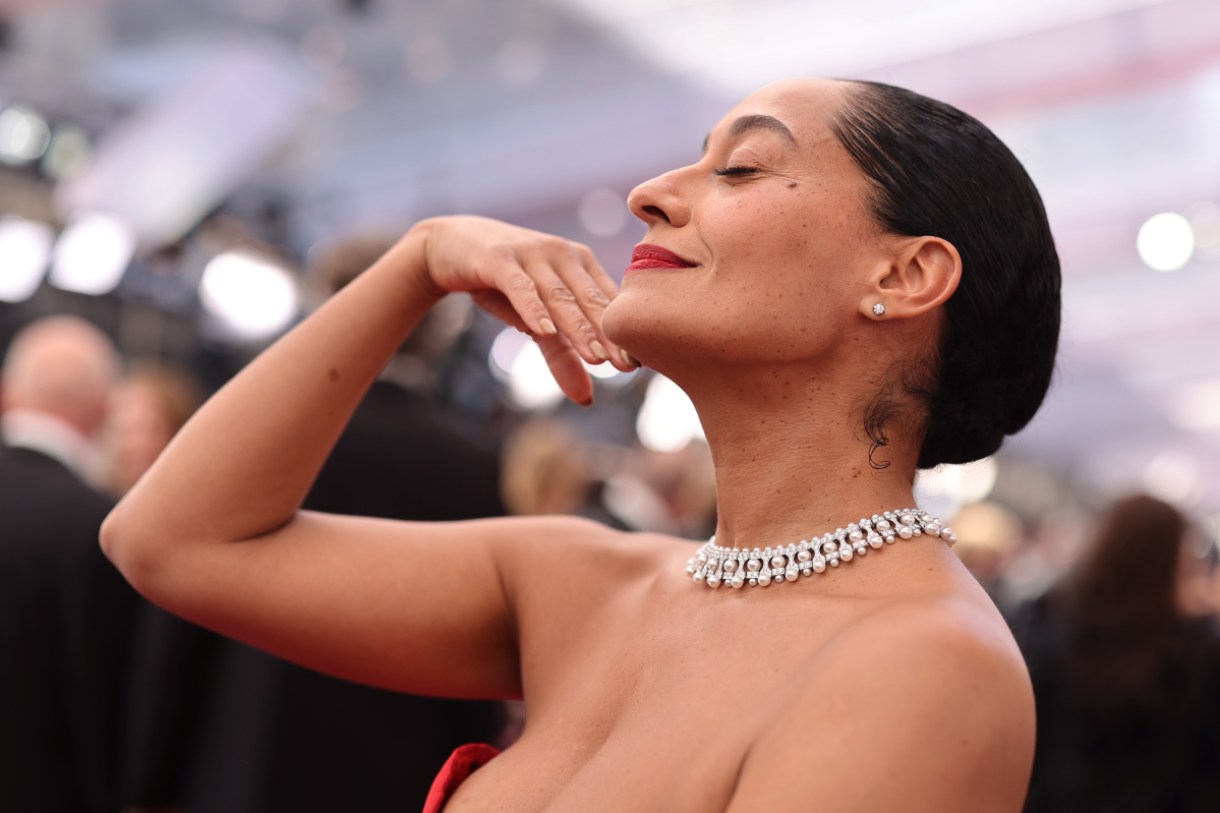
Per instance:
x=756, y=121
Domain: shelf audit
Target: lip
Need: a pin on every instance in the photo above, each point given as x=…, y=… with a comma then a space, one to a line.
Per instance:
x=648, y=256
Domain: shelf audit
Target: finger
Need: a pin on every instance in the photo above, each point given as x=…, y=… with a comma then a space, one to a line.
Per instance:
x=519, y=289
x=597, y=273
x=563, y=361
x=572, y=300
x=567, y=369
x=580, y=300
x=609, y=289
x=497, y=304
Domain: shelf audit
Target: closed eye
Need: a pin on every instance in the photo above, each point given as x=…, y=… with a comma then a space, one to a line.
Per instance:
x=730, y=171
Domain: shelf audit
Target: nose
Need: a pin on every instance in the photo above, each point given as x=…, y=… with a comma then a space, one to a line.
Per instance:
x=659, y=200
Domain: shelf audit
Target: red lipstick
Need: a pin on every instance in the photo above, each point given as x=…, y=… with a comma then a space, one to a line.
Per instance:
x=647, y=255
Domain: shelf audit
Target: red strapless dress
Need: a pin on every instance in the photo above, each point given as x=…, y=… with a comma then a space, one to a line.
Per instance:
x=461, y=763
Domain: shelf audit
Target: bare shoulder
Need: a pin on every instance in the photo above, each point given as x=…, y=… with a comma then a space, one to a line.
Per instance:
x=555, y=562
x=563, y=577
x=923, y=705
x=546, y=546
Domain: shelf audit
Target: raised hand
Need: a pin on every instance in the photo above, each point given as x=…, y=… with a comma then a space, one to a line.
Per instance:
x=549, y=287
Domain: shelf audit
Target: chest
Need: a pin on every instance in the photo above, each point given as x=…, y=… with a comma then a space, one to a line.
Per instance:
x=649, y=705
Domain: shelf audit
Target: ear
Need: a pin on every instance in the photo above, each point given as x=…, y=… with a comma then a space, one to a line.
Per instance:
x=923, y=273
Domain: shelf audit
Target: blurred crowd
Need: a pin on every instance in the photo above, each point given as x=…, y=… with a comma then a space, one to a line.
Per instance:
x=108, y=704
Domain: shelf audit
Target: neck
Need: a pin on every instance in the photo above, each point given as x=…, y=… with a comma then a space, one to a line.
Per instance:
x=792, y=458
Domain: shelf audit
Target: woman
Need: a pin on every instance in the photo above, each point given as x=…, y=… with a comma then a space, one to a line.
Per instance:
x=1126, y=665
x=851, y=281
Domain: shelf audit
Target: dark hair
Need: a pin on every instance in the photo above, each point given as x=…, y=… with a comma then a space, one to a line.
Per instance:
x=939, y=172
x=1127, y=579
x=1123, y=623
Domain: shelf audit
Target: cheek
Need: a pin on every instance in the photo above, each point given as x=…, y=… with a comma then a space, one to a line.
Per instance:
x=802, y=226
x=788, y=253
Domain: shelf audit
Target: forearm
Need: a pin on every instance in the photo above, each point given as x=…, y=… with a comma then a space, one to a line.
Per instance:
x=213, y=532
x=242, y=466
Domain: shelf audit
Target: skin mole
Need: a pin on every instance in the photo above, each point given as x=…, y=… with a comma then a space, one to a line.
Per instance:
x=814, y=467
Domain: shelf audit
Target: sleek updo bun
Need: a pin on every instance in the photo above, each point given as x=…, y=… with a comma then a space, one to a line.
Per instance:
x=936, y=171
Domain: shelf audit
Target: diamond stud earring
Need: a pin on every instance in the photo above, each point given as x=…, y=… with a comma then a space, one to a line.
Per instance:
x=879, y=309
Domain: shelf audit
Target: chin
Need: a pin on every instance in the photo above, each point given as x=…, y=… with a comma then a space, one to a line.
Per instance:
x=612, y=318
x=650, y=331
x=629, y=322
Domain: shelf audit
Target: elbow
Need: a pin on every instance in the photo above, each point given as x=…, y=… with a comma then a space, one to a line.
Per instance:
x=131, y=554
x=109, y=536
x=159, y=558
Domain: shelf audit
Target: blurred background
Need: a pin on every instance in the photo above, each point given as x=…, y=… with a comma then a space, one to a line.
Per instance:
x=168, y=171
x=178, y=173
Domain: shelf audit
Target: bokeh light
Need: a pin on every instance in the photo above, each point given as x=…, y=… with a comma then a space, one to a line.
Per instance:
x=92, y=254
x=24, y=135
x=667, y=420
x=1166, y=242
x=25, y=249
x=516, y=360
x=945, y=489
x=1173, y=475
x=251, y=298
x=603, y=212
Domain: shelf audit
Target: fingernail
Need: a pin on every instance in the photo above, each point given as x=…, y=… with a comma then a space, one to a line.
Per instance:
x=599, y=350
x=631, y=361
x=548, y=327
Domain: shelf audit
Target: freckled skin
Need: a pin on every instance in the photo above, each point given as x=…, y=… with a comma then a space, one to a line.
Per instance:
x=740, y=234
x=709, y=701
x=771, y=334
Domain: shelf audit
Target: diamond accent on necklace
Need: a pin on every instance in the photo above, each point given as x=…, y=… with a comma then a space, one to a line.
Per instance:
x=715, y=566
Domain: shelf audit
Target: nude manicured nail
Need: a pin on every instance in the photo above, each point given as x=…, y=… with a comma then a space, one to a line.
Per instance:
x=631, y=361
x=548, y=327
x=599, y=350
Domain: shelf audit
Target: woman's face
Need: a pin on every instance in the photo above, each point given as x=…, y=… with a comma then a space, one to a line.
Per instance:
x=773, y=232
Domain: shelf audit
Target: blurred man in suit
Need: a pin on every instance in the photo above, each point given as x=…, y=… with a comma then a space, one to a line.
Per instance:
x=65, y=613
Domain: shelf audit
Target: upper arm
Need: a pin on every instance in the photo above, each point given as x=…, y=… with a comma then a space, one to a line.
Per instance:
x=931, y=713
x=411, y=606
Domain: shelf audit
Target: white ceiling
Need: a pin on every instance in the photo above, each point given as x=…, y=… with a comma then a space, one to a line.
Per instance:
x=740, y=45
x=520, y=109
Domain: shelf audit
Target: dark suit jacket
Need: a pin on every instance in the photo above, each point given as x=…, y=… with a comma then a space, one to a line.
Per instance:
x=270, y=737
x=65, y=624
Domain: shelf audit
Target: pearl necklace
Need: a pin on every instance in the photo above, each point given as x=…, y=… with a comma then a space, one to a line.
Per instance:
x=739, y=567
